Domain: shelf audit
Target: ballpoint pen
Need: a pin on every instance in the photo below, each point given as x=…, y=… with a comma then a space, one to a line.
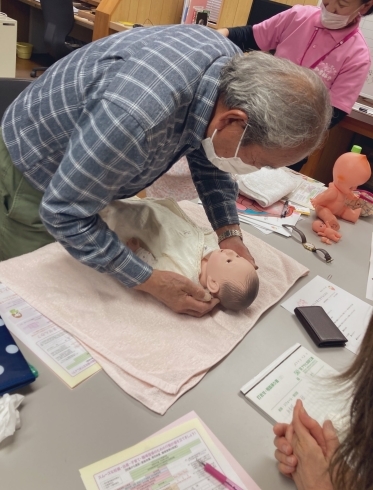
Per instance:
x=285, y=209
x=219, y=476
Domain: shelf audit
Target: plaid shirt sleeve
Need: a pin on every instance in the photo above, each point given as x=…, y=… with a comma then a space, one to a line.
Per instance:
x=108, y=120
x=106, y=149
x=217, y=190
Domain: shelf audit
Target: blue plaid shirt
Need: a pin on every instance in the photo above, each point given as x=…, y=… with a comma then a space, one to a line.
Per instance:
x=109, y=119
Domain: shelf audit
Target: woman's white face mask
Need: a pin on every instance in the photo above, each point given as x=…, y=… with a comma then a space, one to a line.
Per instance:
x=336, y=21
x=233, y=165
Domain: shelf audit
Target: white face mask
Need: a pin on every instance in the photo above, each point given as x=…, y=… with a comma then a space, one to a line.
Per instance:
x=233, y=165
x=335, y=21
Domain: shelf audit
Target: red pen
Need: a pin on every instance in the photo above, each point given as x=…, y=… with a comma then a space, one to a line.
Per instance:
x=219, y=476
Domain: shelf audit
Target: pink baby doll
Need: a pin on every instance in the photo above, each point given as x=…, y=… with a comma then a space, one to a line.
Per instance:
x=224, y=274
x=326, y=232
x=350, y=170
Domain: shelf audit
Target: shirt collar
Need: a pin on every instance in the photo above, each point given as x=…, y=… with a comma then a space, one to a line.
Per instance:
x=336, y=34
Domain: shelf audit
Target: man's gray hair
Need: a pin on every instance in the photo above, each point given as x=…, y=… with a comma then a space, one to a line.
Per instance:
x=288, y=106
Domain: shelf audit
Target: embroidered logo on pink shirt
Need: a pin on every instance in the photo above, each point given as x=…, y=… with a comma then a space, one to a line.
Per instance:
x=326, y=71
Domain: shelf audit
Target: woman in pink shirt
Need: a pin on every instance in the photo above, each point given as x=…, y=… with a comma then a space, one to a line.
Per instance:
x=327, y=40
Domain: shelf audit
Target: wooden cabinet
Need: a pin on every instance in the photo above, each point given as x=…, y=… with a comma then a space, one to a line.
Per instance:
x=236, y=12
x=159, y=12
x=233, y=13
x=153, y=12
x=339, y=140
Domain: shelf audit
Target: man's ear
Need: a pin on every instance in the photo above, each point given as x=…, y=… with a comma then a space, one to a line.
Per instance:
x=212, y=285
x=231, y=116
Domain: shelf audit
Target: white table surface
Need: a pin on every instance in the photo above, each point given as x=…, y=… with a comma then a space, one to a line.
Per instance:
x=64, y=430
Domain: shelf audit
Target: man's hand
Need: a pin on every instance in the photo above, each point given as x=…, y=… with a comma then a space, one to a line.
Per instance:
x=178, y=293
x=224, y=31
x=235, y=243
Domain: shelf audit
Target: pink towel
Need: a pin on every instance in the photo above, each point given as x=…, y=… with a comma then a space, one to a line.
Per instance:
x=155, y=355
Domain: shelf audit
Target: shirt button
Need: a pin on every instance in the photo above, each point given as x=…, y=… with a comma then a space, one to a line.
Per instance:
x=314, y=46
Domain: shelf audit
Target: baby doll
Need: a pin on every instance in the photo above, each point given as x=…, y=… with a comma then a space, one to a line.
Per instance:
x=224, y=274
x=162, y=235
x=326, y=232
x=349, y=171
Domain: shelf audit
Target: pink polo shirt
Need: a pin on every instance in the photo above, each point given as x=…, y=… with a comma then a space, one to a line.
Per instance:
x=343, y=71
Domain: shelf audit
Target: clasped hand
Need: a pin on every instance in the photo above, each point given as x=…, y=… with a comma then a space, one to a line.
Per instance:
x=305, y=449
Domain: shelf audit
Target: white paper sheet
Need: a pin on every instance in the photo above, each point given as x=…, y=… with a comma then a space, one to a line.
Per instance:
x=270, y=223
x=296, y=374
x=349, y=313
x=369, y=294
x=305, y=192
x=243, y=219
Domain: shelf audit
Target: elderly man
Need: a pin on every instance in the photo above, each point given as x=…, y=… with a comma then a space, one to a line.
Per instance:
x=109, y=119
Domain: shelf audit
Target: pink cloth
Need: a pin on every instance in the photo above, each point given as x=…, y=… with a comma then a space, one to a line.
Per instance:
x=177, y=183
x=155, y=355
x=343, y=71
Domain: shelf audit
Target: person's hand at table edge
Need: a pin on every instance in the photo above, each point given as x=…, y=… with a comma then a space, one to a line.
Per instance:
x=312, y=471
x=178, y=293
x=287, y=461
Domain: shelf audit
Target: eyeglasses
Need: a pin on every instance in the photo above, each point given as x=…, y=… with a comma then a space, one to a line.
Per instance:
x=310, y=246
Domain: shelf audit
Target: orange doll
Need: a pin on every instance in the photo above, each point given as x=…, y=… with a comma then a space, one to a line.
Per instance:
x=350, y=170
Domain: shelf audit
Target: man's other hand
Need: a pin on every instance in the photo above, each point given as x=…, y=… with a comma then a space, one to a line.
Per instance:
x=178, y=293
x=235, y=243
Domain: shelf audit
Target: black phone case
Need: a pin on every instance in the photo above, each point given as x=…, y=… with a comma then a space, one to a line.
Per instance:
x=320, y=327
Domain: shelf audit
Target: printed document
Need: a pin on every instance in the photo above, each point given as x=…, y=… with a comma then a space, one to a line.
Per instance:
x=55, y=347
x=349, y=313
x=167, y=460
x=305, y=192
x=297, y=374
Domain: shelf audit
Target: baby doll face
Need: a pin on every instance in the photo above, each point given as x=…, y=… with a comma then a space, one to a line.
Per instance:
x=318, y=225
x=227, y=266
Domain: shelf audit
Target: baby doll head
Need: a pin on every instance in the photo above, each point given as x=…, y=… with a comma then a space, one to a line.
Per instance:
x=230, y=278
x=351, y=170
x=318, y=226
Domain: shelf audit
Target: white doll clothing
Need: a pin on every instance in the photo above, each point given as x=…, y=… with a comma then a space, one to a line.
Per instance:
x=175, y=243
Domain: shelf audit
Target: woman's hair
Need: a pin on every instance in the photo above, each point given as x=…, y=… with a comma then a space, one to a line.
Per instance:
x=287, y=106
x=352, y=465
x=239, y=297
